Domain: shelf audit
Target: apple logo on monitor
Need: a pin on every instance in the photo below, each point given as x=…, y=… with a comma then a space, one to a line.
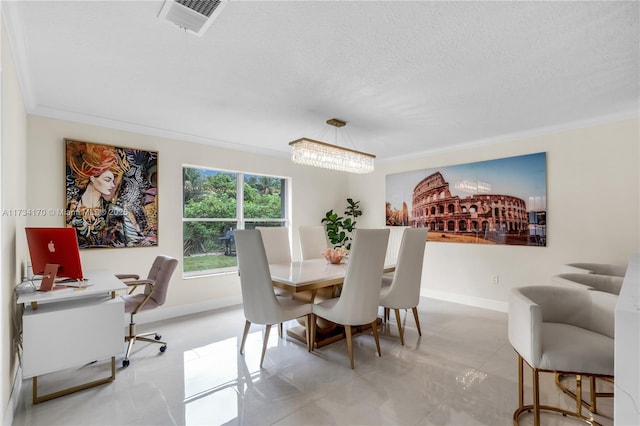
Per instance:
x=51, y=247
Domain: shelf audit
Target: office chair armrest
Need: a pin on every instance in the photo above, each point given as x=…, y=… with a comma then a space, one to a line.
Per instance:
x=128, y=276
x=134, y=284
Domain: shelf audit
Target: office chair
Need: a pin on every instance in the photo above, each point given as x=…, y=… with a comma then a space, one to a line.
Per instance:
x=154, y=295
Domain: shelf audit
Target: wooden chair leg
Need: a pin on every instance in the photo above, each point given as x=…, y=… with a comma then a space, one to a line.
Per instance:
x=247, y=324
x=264, y=342
x=311, y=325
x=374, y=328
x=307, y=330
x=592, y=387
x=415, y=316
x=347, y=330
x=399, y=321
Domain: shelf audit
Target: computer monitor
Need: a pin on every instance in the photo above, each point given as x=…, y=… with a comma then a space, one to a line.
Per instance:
x=58, y=246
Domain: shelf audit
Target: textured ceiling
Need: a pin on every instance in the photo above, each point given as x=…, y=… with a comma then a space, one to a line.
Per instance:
x=408, y=77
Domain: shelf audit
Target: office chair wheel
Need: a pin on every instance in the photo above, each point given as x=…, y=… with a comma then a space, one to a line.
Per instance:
x=163, y=348
x=158, y=337
x=125, y=363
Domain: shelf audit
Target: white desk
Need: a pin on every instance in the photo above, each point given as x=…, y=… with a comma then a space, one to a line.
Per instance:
x=102, y=282
x=71, y=327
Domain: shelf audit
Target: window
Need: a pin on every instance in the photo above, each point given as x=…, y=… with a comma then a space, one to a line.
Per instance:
x=216, y=202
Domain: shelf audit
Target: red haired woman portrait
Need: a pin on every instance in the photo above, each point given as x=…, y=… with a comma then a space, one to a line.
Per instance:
x=94, y=175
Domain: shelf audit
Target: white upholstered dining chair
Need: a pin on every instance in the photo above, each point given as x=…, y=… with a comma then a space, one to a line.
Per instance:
x=402, y=289
x=276, y=243
x=561, y=330
x=358, y=301
x=313, y=240
x=278, y=249
x=259, y=302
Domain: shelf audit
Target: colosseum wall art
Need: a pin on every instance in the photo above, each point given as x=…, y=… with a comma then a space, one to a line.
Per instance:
x=502, y=201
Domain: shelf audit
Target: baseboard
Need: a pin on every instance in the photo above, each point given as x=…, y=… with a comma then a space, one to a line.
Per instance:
x=178, y=311
x=14, y=398
x=208, y=305
x=478, y=302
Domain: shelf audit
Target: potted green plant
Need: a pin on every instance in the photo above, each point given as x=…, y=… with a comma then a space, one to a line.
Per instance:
x=340, y=228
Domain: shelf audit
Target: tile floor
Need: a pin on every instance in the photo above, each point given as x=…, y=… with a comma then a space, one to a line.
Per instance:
x=462, y=371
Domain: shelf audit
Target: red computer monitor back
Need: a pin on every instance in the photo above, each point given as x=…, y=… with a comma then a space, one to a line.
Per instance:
x=56, y=246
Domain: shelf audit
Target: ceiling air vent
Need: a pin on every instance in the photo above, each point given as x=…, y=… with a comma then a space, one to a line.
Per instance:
x=194, y=16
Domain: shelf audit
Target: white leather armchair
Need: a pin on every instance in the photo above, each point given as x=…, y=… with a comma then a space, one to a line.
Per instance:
x=560, y=329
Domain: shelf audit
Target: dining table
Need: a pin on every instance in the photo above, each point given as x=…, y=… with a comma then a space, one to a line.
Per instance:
x=314, y=280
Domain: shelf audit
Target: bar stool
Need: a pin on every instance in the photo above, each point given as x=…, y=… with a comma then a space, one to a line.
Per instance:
x=564, y=330
x=588, y=281
x=595, y=268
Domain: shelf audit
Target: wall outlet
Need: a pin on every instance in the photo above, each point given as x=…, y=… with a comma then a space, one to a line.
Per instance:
x=495, y=280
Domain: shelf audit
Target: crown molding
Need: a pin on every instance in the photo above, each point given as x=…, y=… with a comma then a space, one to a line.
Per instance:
x=11, y=19
x=58, y=114
x=510, y=137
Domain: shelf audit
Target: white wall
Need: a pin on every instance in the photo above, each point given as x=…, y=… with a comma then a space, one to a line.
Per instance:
x=13, y=166
x=593, y=207
x=593, y=212
x=46, y=190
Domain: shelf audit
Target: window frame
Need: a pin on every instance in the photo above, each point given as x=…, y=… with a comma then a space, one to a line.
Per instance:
x=240, y=220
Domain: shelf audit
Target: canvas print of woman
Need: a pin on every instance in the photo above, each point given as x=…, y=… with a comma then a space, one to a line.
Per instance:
x=111, y=195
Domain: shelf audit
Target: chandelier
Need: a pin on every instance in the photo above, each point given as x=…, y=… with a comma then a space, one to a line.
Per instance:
x=327, y=156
